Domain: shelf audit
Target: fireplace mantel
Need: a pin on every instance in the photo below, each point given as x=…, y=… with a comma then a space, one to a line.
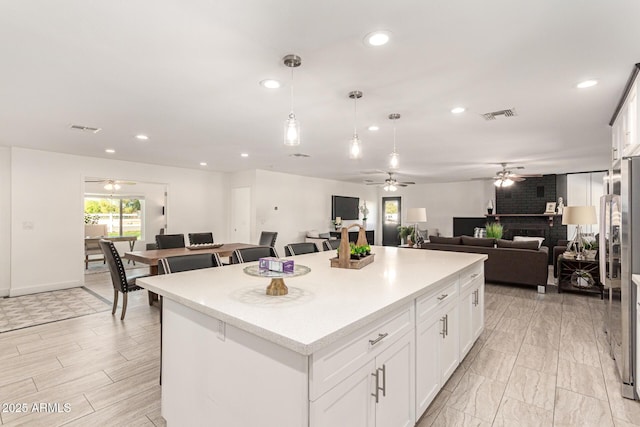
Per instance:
x=549, y=216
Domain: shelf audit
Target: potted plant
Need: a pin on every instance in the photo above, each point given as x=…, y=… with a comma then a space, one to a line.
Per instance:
x=590, y=248
x=494, y=230
x=405, y=233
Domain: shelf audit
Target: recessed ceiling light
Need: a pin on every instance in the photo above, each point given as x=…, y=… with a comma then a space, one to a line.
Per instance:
x=244, y=155
x=270, y=84
x=203, y=163
x=142, y=137
x=110, y=150
x=458, y=110
x=586, y=84
x=373, y=128
x=377, y=38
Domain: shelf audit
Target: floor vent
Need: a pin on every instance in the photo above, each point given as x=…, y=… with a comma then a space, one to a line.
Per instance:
x=504, y=113
x=85, y=128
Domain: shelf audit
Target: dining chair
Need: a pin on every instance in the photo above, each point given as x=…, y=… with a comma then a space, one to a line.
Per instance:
x=170, y=241
x=91, y=249
x=252, y=254
x=300, y=248
x=119, y=279
x=268, y=238
x=200, y=238
x=330, y=245
x=176, y=264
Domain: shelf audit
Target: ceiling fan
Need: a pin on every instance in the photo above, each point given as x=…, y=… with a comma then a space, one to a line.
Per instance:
x=391, y=183
x=111, y=184
x=506, y=178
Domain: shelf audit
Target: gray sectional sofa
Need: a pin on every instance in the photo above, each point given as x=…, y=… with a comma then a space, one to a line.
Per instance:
x=509, y=261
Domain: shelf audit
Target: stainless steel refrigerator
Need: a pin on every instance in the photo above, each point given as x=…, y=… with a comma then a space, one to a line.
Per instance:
x=619, y=259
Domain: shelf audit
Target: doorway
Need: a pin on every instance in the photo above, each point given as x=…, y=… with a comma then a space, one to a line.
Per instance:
x=392, y=210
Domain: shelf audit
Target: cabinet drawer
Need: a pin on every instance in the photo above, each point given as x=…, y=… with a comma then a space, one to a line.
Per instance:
x=469, y=274
x=427, y=304
x=332, y=364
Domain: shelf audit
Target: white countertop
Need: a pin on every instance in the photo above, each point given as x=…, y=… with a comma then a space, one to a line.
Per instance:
x=321, y=306
x=636, y=279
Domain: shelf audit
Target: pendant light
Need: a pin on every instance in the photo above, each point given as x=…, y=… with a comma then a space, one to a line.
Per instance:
x=355, y=145
x=394, y=157
x=291, y=125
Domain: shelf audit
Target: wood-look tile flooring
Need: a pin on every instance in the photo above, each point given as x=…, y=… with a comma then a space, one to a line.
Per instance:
x=105, y=369
x=540, y=362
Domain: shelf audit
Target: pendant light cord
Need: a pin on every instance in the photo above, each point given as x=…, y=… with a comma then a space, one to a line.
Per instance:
x=355, y=115
x=291, y=92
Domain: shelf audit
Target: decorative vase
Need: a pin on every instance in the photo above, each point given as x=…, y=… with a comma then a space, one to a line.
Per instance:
x=489, y=211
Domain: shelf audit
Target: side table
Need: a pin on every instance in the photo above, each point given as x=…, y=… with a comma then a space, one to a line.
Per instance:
x=579, y=275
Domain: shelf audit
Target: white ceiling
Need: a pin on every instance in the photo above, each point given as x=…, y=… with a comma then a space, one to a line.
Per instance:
x=186, y=73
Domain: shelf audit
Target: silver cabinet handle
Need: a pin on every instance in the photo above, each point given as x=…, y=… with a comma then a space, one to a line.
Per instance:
x=443, y=296
x=377, y=340
x=446, y=324
x=384, y=379
x=443, y=332
x=376, y=395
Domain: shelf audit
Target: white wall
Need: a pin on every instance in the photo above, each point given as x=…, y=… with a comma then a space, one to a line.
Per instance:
x=303, y=203
x=445, y=201
x=584, y=189
x=5, y=220
x=47, y=220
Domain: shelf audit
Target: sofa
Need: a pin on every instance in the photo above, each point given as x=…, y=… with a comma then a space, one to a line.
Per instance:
x=524, y=263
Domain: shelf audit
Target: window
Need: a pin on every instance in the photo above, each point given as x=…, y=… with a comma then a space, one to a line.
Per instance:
x=124, y=216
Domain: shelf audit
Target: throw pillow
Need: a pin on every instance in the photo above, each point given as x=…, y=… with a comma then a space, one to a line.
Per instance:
x=529, y=239
x=477, y=241
x=532, y=244
x=445, y=240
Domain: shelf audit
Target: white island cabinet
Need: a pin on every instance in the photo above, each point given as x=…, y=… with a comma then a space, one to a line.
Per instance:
x=344, y=347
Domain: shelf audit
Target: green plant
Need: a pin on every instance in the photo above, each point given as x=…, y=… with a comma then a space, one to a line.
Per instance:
x=494, y=230
x=404, y=232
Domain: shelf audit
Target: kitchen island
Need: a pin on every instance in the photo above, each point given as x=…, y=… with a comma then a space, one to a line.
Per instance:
x=344, y=347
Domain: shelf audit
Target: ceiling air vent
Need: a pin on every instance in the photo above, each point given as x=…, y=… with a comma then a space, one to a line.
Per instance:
x=299, y=155
x=85, y=128
x=504, y=113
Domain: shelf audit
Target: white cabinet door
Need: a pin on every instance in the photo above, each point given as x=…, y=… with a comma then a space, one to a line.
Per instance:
x=350, y=403
x=467, y=311
x=396, y=381
x=428, y=376
x=477, y=318
x=449, y=345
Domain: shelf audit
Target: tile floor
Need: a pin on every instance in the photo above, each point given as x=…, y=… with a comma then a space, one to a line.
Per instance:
x=540, y=362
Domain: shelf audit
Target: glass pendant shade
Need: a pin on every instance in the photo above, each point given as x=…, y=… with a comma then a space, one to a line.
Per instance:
x=355, y=147
x=394, y=161
x=291, y=131
x=291, y=125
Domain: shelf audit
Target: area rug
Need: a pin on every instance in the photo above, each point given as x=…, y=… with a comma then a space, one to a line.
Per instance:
x=45, y=307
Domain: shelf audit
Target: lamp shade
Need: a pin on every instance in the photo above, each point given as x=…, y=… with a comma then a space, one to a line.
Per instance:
x=417, y=215
x=579, y=215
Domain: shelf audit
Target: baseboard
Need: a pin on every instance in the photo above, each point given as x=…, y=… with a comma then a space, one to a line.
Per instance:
x=13, y=292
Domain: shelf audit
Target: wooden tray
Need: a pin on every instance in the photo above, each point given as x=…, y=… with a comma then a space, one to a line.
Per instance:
x=343, y=260
x=355, y=264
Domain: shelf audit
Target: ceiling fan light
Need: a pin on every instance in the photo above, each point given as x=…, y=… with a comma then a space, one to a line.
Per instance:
x=355, y=148
x=111, y=186
x=497, y=183
x=507, y=182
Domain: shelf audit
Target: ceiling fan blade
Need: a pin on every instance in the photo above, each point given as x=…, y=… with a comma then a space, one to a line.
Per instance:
x=375, y=183
x=400, y=184
x=521, y=175
x=406, y=182
x=516, y=178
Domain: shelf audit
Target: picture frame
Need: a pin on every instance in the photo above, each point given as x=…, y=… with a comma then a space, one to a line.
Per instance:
x=551, y=208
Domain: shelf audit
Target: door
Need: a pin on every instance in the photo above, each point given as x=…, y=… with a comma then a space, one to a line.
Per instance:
x=349, y=403
x=392, y=209
x=450, y=344
x=395, y=407
x=240, y=215
x=427, y=363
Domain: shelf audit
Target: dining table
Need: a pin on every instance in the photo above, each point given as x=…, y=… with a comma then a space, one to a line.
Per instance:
x=151, y=256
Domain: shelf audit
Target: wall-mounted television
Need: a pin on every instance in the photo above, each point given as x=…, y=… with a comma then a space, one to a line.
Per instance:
x=345, y=207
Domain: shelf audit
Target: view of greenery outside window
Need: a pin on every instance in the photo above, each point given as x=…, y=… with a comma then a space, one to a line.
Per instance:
x=123, y=215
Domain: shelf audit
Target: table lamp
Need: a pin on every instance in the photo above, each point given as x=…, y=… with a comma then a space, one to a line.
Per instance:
x=578, y=215
x=416, y=215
